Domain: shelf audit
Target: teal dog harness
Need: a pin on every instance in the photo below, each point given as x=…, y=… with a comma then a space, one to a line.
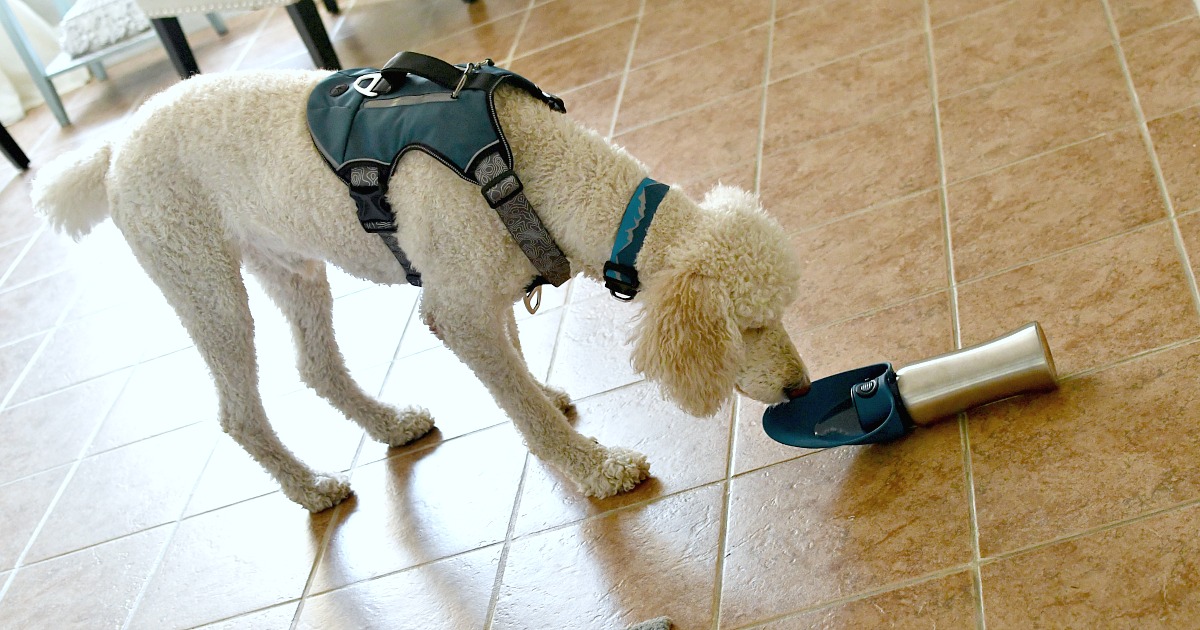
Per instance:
x=363, y=121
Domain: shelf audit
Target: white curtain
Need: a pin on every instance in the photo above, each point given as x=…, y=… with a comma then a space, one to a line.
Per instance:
x=18, y=94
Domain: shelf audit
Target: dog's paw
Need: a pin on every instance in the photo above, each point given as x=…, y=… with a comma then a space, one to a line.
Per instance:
x=397, y=427
x=619, y=471
x=320, y=493
x=562, y=401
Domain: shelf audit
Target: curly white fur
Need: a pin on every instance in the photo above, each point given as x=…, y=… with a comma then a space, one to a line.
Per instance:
x=219, y=171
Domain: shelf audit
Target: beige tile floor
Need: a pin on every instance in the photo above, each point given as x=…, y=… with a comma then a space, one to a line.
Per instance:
x=948, y=170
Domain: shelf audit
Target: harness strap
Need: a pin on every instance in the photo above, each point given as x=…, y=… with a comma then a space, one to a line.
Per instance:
x=503, y=191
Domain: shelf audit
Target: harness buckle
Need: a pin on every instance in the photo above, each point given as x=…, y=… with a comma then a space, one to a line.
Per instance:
x=620, y=289
x=462, y=81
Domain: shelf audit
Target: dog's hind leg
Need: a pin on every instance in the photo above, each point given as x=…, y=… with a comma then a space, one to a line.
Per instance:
x=199, y=275
x=557, y=396
x=479, y=336
x=301, y=291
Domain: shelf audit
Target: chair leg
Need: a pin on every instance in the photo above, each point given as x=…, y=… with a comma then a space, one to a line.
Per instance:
x=218, y=24
x=12, y=150
x=171, y=35
x=98, y=71
x=332, y=7
x=33, y=64
x=312, y=30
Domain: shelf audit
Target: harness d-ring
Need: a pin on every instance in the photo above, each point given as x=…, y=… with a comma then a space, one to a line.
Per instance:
x=531, y=305
x=369, y=91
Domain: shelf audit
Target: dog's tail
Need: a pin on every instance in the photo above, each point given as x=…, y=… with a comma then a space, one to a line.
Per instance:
x=70, y=190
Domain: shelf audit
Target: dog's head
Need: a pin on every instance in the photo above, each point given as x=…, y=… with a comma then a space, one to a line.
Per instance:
x=711, y=321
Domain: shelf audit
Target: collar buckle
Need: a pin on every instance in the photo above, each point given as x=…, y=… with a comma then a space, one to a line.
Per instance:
x=615, y=275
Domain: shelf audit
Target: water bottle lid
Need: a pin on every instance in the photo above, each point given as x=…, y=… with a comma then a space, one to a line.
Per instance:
x=860, y=406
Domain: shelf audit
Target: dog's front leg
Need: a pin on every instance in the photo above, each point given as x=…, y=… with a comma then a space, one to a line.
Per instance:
x=480, y=339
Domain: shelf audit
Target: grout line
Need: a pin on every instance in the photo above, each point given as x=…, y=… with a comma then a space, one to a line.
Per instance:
x=502, y=563
x=633, y=40
x=726, y=507
x=1093, y=531
x=955, y=321
x=762, y=113
x=62, y=487
x=833, y=603
x=162, y=553
x=21, y=256
x=251, y=40
x=512, y=48
x=1148, y=141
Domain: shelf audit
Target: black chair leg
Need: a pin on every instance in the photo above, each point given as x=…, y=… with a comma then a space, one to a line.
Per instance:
x=332, y=7
x=312, y=30
x=171, y=35
x=12, y=150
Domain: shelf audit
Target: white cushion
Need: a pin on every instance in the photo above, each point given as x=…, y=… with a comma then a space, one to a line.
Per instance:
x=91, y=25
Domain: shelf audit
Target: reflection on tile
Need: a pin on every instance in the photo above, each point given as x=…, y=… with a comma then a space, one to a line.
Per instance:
x=451, y=593
x=54, y=430
x=424, y=505
x=368, y=324
x=843, y=521
x=13, y=360
x=683, y=25
x=904, y=237
x=947, y=602
x=710, y=138
x=1142, y=574
x=579, y=61
x=1034, y=112
x=991, y=45
x=1051, y=203
x=308, y=426
x=684, y=452
x=1105, y=447
x=876, y=84
x=161, y=395
x=941, y=11
x=437, y=381
x=834, y=30
x=22, y=505
x=594, y=348
x=555, y=21
x=125, y=491
x=658, y=90
x=1162, y=63
x=1133, y=16
x=624, y=568
x=902, y=335
x=36, y=306
x=274, y=617
x=593, y=106
x=93, y=588
x=84, y=349
x=492, y=41
x=1175, y=141
x=1097, y=304
x=239, y=559
x=840, y=173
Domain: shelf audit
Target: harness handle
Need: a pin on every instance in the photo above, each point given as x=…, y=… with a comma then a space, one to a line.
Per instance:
x=424, y=66
x=454, y=78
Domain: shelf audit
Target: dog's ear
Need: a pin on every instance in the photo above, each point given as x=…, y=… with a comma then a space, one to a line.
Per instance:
x=686, y=341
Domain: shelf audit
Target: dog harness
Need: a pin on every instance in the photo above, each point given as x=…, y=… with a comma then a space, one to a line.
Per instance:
x=363, y=121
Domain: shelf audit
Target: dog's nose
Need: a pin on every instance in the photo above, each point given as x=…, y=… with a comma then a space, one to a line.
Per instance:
x=796, y=391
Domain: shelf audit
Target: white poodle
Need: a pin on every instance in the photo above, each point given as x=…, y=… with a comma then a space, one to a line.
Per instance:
x=219, y=171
